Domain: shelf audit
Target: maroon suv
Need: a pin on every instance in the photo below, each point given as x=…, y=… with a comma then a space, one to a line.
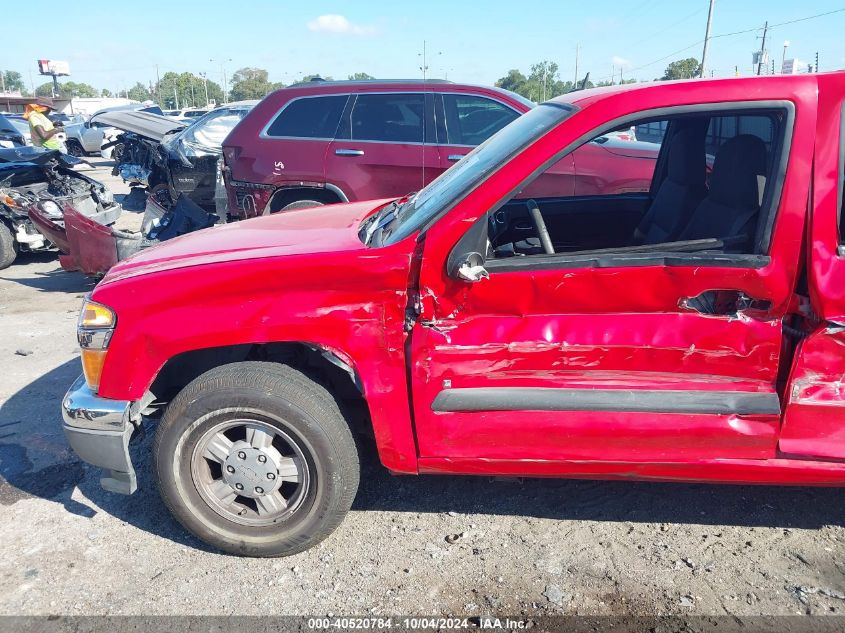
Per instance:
x=337, y=141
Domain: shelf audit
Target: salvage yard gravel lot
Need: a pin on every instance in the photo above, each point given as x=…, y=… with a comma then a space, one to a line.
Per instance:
x=411, y=545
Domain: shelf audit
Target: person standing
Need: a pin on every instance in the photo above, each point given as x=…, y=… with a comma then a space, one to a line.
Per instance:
x=42, y=130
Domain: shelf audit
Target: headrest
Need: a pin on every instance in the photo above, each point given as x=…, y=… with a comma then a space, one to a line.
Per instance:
x=736, y=167
x=686, y=158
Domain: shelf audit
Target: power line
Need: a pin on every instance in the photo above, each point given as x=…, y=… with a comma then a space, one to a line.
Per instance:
x=671, y=26
x=713, y=37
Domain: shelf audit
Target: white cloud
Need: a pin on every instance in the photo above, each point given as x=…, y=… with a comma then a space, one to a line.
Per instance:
x=334, y=23
x=619, y=61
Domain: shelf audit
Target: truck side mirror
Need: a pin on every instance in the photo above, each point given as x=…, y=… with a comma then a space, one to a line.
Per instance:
x=472, y=268
x=466, y=261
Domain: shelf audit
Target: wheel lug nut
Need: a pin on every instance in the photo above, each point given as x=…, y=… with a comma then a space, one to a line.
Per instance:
x=241, y=455
x=262, y=458
x=239, y=486
x=259, y=490
x=271, y=476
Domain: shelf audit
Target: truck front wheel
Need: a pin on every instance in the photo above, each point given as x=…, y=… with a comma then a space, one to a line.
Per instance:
x=256, y=459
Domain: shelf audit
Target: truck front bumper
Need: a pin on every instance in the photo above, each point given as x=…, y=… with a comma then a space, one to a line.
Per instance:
x=98, y=430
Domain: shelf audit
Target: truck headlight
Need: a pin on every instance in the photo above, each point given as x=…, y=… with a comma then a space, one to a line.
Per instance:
x=94, y=331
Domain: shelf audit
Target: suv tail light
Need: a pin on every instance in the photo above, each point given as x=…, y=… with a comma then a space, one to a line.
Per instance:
x=230, y=155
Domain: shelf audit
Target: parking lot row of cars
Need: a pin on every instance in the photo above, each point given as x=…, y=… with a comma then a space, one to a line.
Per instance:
x=313, y=144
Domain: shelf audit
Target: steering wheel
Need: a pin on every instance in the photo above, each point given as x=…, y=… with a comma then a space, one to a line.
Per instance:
x=540, y=227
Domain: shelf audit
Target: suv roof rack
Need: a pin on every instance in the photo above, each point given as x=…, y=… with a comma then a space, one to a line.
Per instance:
x=345, y=82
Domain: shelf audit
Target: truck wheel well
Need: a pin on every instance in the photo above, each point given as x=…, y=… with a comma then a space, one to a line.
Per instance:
x=284, y=197
x=322, y=366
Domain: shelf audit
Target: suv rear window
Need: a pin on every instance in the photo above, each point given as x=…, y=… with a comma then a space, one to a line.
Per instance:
x=309, y=117
x=471, y=120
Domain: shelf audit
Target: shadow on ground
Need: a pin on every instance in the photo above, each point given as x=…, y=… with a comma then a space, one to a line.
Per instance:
x=55, y=280
x=35, y=461
x=30, y=426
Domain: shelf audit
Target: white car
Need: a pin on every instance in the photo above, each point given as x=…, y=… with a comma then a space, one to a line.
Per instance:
x=187, y=115
x=89, y=137
x=84, y=138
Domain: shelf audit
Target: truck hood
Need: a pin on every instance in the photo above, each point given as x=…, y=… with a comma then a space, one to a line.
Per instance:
x=301, y=232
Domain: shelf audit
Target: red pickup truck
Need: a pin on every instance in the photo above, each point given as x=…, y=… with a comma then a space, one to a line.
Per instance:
x=495, y=323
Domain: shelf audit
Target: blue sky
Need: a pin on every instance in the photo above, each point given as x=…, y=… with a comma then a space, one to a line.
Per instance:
x=112, y=44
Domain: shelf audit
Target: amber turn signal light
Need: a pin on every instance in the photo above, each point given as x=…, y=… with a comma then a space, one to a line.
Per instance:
x=95, y=315
x=92, y=366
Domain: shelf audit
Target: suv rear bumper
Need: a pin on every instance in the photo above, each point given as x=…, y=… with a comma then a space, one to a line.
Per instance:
x=98, y=430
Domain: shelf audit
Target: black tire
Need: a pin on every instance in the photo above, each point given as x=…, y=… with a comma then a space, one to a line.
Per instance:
x=74, y=148
x=287, y=400
x=8, y=246
x=301, y=204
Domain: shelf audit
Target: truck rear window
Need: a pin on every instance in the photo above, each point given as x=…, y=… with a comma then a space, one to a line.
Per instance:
x=308, y=117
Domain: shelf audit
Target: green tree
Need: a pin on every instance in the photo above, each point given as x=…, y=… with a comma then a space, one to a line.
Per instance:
x=682, y=69
x=187, y=88
x=542, y=82
x=139, y=92
x=307, y=78
x=68, y=90
x=360, y=77
x=251, y=83
x=514, y=81
x=13, y=82
x=105, y=92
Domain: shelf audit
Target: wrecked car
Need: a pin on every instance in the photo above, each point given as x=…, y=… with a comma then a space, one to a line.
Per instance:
x=172, y=158
x=496, y=322
x=92, y=247
x=87, y=137
x=44, y=180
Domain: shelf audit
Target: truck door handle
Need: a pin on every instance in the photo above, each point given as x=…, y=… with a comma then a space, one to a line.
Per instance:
x=454, y=157
x=349, y=152
x=724, y=302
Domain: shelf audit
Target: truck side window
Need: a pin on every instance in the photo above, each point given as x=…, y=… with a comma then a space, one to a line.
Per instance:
x=308, y=117
x=694, y=182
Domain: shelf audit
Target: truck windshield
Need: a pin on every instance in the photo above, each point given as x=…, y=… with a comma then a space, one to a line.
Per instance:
x=465, y=175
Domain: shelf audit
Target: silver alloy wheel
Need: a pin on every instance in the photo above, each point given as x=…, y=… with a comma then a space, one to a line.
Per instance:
x=250, y=472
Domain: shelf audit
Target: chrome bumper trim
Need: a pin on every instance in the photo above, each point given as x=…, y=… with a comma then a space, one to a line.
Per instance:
x=98, y=430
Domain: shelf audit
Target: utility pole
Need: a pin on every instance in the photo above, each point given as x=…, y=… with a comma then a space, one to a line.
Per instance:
x=577, y=50
x=175, y=97
x=783, y=57
x=424, y=67
x=707, y=37
x=158, y=87
x=817, y=61
x=205, y=83
x=762, y=49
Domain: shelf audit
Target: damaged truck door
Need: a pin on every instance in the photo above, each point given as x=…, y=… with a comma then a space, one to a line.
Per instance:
x=664, y=344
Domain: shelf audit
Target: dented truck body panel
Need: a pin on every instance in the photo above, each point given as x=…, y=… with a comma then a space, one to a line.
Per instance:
x=318, y=284
x=594, y=370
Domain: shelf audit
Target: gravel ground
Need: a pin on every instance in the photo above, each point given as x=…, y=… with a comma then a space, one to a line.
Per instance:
x=427, y=545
